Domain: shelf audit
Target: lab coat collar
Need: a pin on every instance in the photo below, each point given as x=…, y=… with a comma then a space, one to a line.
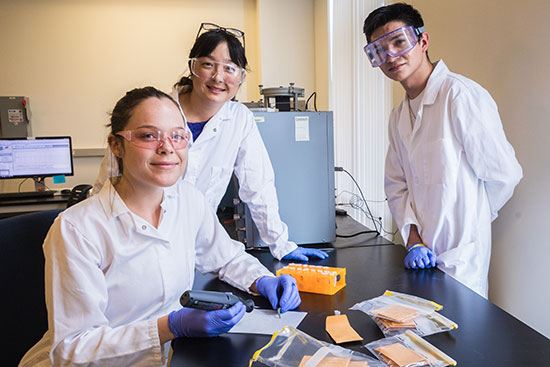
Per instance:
x=175, y=94
x=435, y=80
x=430, y=93
x=212, y=128
x=113, y=205
x=171, y=192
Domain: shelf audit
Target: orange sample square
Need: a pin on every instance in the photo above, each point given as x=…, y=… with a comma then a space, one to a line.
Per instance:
x=396, y=313
x=340, y=330
x=394, y=325
x=401, y=355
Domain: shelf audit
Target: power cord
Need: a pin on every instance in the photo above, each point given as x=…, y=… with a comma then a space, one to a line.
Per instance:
x=341, y=169
x=356, y=234
x=21, y=183
x=356, y=202
x=314, y=101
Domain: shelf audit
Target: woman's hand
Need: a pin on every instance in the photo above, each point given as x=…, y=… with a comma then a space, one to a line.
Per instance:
x=281, y=291
x=303, y=254
x=191, y=322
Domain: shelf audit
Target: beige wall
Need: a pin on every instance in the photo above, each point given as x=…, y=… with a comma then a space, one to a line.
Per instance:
x=74, y=59
x=497, y=43
x=287, y=47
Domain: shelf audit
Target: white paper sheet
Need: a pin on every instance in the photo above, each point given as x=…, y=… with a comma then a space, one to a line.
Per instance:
x=267, y=322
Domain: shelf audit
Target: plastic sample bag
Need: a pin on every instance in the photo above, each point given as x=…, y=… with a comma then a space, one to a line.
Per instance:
x=290, y=347
x=422, y=325
x=409, y=350
x=398, y=307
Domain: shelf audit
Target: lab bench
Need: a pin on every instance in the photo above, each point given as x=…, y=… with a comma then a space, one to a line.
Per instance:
x=486, y=335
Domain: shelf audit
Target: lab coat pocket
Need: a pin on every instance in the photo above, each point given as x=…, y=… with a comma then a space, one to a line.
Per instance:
x=466, y=263
x=217, y=184
x=439, y=163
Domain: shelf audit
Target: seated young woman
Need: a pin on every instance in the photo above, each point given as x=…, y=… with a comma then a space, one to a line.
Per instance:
x=117, y=263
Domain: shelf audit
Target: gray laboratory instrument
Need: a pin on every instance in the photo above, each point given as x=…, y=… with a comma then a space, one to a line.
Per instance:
x=14, y=117
x=301, y=150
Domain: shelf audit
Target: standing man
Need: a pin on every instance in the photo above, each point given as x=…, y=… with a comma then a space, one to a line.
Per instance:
x=449, y=167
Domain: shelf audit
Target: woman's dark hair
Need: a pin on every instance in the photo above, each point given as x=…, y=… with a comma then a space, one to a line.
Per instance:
x=385, y=14
x=206, y=43
x=125, y=106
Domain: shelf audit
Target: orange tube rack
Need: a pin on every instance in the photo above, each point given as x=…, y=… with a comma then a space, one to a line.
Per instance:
x=315, y=278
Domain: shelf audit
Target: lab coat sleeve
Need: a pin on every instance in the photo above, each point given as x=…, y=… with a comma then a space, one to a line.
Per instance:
x=216, y=252
x=490, y=155
x=107, y=169
x=257, y=189
x=76, y=298
x=396, y=188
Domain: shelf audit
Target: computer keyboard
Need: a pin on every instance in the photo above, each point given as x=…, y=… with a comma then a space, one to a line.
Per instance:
x=7, y=196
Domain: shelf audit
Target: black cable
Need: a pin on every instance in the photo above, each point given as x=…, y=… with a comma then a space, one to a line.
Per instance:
x=314, y=101
x=364, y=200
x=379, y=219
x=355, y=234
x=362, y=196
x=21, y=183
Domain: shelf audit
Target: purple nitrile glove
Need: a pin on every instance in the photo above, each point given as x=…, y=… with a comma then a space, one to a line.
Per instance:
x=302, y=253
x=281, y=291
x=420, y=258
x=192, y=322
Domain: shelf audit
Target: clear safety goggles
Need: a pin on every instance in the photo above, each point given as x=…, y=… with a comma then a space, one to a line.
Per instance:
x=207, y=27
x=205, y=68
x=152, y=138
x=395, y=44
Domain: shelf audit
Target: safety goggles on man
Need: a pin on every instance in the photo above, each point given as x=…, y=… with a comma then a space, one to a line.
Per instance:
x=152, y=138
x=395, y=44
x=205, y=68
x=214, y=27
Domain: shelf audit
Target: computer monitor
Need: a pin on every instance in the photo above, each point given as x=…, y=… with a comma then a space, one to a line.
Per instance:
x=36, y=158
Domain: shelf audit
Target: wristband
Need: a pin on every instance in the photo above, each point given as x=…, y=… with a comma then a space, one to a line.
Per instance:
x=418, y=244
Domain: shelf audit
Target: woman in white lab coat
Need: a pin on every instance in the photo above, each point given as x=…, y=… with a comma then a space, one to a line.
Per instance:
x=117, y=263
x=226, y=138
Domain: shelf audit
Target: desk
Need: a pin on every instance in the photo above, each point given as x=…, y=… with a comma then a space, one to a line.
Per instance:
x=486, y=335
x=10, y=208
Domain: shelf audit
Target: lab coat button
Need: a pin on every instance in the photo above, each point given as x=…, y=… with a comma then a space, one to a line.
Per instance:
x=144, y=227
x=215, y=129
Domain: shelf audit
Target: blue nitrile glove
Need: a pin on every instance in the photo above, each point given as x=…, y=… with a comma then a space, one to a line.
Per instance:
x=281, y=291
x=192, y=322
x=419, y=257
x=302, y=253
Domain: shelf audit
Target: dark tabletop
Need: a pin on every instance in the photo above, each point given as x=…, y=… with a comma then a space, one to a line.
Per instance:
x=486, y=335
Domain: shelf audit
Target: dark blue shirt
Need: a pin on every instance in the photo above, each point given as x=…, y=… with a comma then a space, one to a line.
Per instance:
x=196, y=128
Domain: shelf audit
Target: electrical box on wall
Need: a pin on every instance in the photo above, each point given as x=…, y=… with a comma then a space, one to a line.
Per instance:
x=14, y=117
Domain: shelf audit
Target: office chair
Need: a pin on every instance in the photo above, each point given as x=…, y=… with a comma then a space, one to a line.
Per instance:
x=23, y=306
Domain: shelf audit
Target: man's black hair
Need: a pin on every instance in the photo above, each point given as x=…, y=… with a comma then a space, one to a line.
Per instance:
x=385, y=14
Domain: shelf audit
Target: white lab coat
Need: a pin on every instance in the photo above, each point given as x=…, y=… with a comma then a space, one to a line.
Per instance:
x=450, y=172
x=110, y=275
x=231, y=142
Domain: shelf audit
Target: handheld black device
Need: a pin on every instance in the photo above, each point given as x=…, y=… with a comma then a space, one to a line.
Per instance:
x=210, y=300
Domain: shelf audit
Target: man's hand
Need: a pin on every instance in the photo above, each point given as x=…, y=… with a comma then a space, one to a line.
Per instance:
x=420, y=257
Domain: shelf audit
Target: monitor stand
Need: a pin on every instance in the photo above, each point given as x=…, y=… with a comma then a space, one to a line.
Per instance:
x=39, y=184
